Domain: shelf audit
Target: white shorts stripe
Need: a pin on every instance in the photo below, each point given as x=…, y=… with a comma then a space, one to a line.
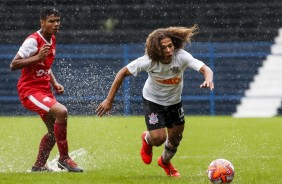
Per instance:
x=38, y=104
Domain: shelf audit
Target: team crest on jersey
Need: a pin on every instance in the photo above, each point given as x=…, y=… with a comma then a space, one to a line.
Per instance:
x=153, y=119
x=175, y=69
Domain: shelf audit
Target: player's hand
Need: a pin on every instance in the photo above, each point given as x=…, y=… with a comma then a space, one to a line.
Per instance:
x=43, y=52
x=59, y=89
x=104, y=107
x=207, y=84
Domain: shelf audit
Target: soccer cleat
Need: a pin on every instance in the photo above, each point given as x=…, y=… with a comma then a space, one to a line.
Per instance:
x=169, y=169
x=41, y=169
x=69, y=165
x=146, y=150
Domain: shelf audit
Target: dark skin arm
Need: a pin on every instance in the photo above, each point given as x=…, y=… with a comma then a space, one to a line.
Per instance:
x=59, y=89
x=106, y=105
x=19, y=63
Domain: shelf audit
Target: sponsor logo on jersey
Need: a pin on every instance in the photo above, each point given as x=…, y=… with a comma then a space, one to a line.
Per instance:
x=47, y=99
x=40, y=73
x=153, y=119
x=174, y=80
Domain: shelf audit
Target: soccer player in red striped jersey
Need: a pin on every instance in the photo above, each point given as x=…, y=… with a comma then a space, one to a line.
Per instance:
x=35, y=58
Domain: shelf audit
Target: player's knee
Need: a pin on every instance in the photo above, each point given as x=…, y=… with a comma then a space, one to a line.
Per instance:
x=62, y=112
x=159, y=140
x=175, y=141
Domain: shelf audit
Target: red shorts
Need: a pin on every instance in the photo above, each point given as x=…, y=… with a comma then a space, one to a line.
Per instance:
x=39, y=102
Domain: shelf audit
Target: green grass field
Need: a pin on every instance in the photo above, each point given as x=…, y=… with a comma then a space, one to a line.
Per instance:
x=108, y=149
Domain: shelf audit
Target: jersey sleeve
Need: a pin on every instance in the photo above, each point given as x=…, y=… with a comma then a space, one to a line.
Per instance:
x=190, y=61
x=138, y=65
x=28, y=48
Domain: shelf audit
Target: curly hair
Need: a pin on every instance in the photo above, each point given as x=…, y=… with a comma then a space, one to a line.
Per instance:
x=178, y=35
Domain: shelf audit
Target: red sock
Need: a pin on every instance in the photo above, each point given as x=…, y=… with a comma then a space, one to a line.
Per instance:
x=60, y=131
x=46, y=145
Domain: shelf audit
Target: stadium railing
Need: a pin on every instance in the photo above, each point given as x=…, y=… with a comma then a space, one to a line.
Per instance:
x=84, y=66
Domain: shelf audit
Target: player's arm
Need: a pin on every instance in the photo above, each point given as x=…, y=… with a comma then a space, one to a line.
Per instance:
x=59, y=89
x=18, y=62
x=106, y=105
x=208, y=75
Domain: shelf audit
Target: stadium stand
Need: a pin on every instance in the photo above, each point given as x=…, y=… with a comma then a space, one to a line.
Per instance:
x=119, y=21
x=97, y=38
x=264, y=96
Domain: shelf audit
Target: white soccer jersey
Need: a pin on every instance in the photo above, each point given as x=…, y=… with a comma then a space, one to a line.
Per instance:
x=165, y=81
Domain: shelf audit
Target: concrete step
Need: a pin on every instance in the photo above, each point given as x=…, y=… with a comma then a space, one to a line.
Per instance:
x=258, y=107
x=276, y=49
x=264, y=96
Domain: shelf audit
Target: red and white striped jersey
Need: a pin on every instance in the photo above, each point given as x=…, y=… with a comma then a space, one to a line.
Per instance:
x=36, y=77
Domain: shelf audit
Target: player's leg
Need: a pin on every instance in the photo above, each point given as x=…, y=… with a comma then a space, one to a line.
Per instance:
x=157, y=137
x=146, y=151
x=149, y=139
x=46, y=144
x=41, y=103
x=156, y=134
x=170, y=148
x=171, y=144
x=54, y=116
x=60, y=131
x=175, y=128
x=60, y=128
x=175, y=114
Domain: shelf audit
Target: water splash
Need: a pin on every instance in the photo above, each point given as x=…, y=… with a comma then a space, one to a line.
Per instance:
x=53, y=164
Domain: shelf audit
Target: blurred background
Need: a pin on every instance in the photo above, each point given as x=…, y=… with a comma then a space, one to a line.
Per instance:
x=240, y=40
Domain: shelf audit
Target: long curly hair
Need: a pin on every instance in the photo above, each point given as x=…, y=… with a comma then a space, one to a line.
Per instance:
x=179, y=36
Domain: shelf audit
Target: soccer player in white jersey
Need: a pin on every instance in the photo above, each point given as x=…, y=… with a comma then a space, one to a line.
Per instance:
x=165, y=61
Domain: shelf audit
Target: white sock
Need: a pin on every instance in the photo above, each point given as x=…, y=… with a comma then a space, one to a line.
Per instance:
x=146, y=138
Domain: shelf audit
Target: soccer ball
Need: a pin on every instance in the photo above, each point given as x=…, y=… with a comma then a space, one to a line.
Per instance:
x=221, y=171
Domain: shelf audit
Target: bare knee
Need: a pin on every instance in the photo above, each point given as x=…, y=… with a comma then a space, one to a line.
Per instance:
x=175, y=135
x=62, y=115
x=60, y=112
x=175, y=140
x=158, y=140
x=63, y=112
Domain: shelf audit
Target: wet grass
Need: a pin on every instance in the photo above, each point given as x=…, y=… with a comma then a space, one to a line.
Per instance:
x=112, y=144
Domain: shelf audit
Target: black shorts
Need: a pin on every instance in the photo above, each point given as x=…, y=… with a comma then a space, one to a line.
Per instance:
x=158, y=116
